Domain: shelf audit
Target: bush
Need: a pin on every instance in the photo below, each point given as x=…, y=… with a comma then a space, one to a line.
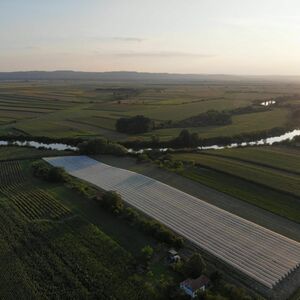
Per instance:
x=115, y=149
x=233, y=292
x=113, y=202
x=93, y=147
x=101, y=146
x=137, y=124
x=209, y=118
x=131, y=215
x=146, y=253
x=216, y=278
x=52, y=174
x=194, y=267
x=56, y=174
x=143, y=158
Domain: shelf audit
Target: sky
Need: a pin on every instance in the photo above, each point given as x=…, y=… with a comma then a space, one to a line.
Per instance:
x=254, y=37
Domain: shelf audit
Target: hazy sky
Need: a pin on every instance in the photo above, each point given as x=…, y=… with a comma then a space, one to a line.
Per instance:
x=181, y=36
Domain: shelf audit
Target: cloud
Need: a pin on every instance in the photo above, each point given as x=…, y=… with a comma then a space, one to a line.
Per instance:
x=165, y=54
x=125, y=39
x=128, y=39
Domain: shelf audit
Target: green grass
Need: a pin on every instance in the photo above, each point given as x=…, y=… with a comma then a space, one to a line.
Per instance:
x=283, y=158
x=296, y=295
x=70, y=259
x=273, y=201
x=67, y=256
x=129, y=237
x=14, y=152
x=245, y=123
x=72, y=109
x=285, y=182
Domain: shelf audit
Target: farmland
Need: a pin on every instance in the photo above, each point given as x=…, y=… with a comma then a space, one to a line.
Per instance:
x=264, y=176
x=47, y=251
x=90, y=108
x=285, y=182
x=260, y=184
x=57, y=243
x=182, y=213
x=15, y=152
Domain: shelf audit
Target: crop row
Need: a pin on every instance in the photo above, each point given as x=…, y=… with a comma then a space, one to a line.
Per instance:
x=10, y=173
x=288, y=183
x=262, y=254
x=34, y=203
x=67, y=260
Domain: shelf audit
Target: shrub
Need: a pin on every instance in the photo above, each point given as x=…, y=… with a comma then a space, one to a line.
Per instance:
x=56, y=174
x=113, y=202
x=52, y=174
x=137, y=124
x=194, y=267
x=131, y=215
x=115, y=149
x=146, y=253
x=101, y=146
x=93, y=146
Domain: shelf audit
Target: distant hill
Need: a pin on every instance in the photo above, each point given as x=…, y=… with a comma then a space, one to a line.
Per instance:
x=135, y=76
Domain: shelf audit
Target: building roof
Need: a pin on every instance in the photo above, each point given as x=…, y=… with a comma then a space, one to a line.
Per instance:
x=172, y=252
x=196, y=284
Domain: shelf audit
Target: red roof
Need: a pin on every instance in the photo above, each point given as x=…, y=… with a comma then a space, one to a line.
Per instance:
x=196, y=284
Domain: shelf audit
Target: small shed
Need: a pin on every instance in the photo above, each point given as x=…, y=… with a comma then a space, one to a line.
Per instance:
x=173, y=256
x=192, y=286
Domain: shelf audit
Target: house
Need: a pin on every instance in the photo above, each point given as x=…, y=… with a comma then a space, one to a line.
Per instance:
x=173, y=256
x=192, y=286
x=172, y=253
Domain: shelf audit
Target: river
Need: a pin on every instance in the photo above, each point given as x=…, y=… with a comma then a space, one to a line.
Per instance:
x=63, y=147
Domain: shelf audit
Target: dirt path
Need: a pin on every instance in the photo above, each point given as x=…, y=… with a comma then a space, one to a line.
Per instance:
x=231, y=204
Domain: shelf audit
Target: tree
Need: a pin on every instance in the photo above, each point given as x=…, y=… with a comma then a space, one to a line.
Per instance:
x=185, y=138
x=113, y=202
x=137, y=124
x=216, y=278
x=131, y=215
x=146, y=253
x=115, y=149
x=195, y=266
x=155, y=139
x=56, y=174
x=194, y=139
x=97, y=146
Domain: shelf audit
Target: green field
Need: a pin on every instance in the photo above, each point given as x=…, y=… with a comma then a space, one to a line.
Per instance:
x=48, y=251
x=282, y=158
x=91, y=108
x=15, y=152
x=264, y=176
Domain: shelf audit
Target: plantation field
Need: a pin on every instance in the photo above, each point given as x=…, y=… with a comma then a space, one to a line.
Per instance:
x=276, y=202
x=282, y=158
x=91, y=108
x=14, y=153
x=277, y=180
x=71, y=259
x=269, y=208
x=220, y=233
x=32, y=202
x=49, y=252
x=245, y=123
x=264, y=176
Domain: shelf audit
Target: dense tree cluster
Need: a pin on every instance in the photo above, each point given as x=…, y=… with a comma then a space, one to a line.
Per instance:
x=133, y=125
x=114, y=203
x=190, y=140
x=51, y=174
x=101, y=146
x=194, y=267
x=209, y=118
